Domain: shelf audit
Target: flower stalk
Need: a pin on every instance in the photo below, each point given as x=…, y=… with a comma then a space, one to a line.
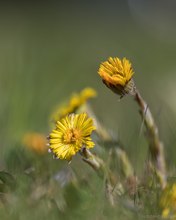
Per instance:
x=112, y=188
x=155, y=145
x=127, y=168
x=94, y=161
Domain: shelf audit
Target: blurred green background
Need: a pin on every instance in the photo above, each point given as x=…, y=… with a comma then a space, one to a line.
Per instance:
x=50, y=50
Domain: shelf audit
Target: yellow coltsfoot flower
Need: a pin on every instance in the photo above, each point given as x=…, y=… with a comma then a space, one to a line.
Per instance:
x=75, y=101
x=71, y=134
x=168, y=201
x=35, y=142
x=87, y=93
x=117, y=75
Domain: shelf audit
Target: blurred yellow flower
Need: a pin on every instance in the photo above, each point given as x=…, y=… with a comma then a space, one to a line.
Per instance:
x=87, y=93
x=117, y=75
x=35, y=142
x=73, y=104
x=71, y=134
x=165, y=212
x=168, y=201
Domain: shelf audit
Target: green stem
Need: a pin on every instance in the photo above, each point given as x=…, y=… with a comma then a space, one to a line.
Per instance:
x=155, y=145
x=103, y=172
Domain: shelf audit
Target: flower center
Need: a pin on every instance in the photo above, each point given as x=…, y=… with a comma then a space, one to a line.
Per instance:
x=72, y=136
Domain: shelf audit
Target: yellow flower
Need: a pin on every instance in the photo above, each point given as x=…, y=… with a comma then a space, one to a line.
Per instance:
x=71, y=134
x=168, y=201
x=73, y=104
x=87, y=93
x=117, y=75
x=35, y=142
x=165, y=213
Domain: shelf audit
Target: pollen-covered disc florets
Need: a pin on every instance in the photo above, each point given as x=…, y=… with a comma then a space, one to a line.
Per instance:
x=117, y=75
x=71, y=134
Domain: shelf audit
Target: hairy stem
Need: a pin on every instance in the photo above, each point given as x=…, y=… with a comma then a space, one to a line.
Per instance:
x=155, y=145
x=103, y=172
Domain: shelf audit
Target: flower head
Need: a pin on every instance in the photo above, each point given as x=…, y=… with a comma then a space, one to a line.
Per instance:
x=87, y=93
x=76, y=100
x=168, y=201
x=117, y=75
x=71, y=134
x=35, y=142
